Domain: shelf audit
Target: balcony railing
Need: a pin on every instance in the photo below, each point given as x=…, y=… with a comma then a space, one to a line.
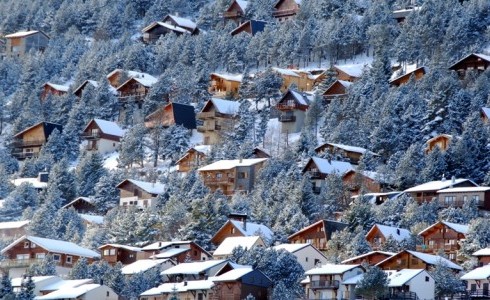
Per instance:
x=324, y=284
x=223, y=180
x=208, y=128
x=479, y=293
x=23, y=144
x=206, y=115
x=459, y=203
x=437, y=247
x=91, y=135
x=284, y=12
x=22, y=155
x=18, y=263
x=282, y=106
x=232, y=14
x=287, y=118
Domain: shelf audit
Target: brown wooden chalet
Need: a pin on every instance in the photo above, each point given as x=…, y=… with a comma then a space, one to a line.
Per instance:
x=365, y=181
x=22, y=42
x=223, y=85
x=292, y=106
x=371, y=258
x=260, y=153
x=474, y=61
x=114, y=253
x=193, y=158
x=238, y=226
x=349, y=73
x=169, y=24
x=236, y=11
x=318, y=234
x=102, y=136
x=443, y=236
x=117, y=77
x=136, y=88
x=251, y=27
x=429, y=191
x=82, y=205
x=240, y=283
x=172, y=114
x=79, y=90
x=286, y=9
x=218, y=116
x=177, y=251
x=230, y=176
x=408, y=259
x=28, y=250
x=353, y=153
x=302, y=80
x=138, y=193
x=403, y=79
x=53, y=89
x=483, y=256
x=28, y=142
x=378, y=234
x=319, y=168
x=441, y=141
x=338, y=89
x=458, y=196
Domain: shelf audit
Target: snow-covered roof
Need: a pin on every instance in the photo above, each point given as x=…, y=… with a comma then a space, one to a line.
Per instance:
x=252, y=229
x=145, y=81
x=33, y=181
x=348, y=148
x=170, y=253
x=70, y=293
x=228, y=164
x=17, y=281
x=205, y=149
x=480, y=55
x=330, y=167
x=403, y=276
x=56, y=246
x=456, y=227
x=345, y=83
x=331, y=269
x=468, y=189
x=429, y=259
x=398, y=234
x=291, y=248
x=92, y=218
x=142, y=265
x=286, y=72
x=481, y=273
x=130, y=248
x=160, y=245
x=143, y=78
x=109, y=127
x=302, y=99
x=243, y=4
x=59, y=87
x=172, y=27
x=193, y=268
x=482, y=252
x=87, y=199
x=353, y=280
x=234, y=274
x=150, y=187
x=229, y=77
x=367, y=254
x=64, y=284
x=21, y=34
x=486, y=111
x=226, y=106
x=180, y=287
x=437, y=185
x=13, y=224
x=183, y=22
x=354, y=70
x=246, y=242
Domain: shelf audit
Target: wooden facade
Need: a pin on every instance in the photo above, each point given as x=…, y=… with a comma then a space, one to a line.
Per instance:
x=236, y=11
x=21, y=43
x=113, y=253
x=53, y=89
x=379, y=234
x=218, y=116
x=172, y=114
x=409, y=260
x=338, y=89
x=251, y=27
x=116, y=78
x=403, y=79
x=167, y=250
x=371, y=258
x=191, y=160
x=302, y=80
x=475, y=61
x=429, y=191
x=352, y=153
x=317, y=234
x=441, y=141
x=79, y=90
x=225, y=85
x=138, y=193
x=253, y=283
x=457, y=197
x=442, y=236
x=346, y=73
x=28, y=142
x=82, y=205
x=356, y=182
x=286, y=9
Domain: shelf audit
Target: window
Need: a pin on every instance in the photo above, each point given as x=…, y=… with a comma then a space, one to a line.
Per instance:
x=415, y=261
x=40, y=255
x=57, y=257
x=112, y=251
x=26, y=244
x=106, y=252
x=232, y=230
x=242, y=175
x=33, y=245
x=452, y=256
x=22, y=256
x=306, y=259
x=449, y=200
x=475, y=198
x=107, y=294
x=131, y=255
x=427, y=279
x=69, y=259
x=219, y=175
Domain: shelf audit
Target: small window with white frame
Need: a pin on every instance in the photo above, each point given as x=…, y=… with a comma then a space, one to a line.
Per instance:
x=69, y=259
x=26, y=244
x=57, y=257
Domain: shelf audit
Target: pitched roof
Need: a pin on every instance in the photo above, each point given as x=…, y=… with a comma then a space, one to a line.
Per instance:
x=368, y=254
x=70, y=292
x=251, y=228
x=184, y=115
x=255, y=27
x=14, y=224
x=242, y=3
x=156, y=246
x=149, y=187
x=180, y=287
x=330, y=167
x=85, y=199
x=468, y=189
x=353, y=70
x=331, y=269
x=456, y=227
x=130, y=248
x=107, y=127
x=233, y=275
x=47, y=127
x=55, y=246
x=481, y=273
x=408, y=74
x=427, y=258
x=438, y=185
x=228, y=164
x=229, y=77
x=144, y=79
x=58, y=87
x=142, y=265
x=82, y=86
x=398, y=234
x=486, y=112
x=348, y=148
x=403, y=276
x=194, y=268
x=329, y=226
x=20, y=34
x=182, y=22
x=478, y=55
x=482, y=252
x=169, y=253
x=62, y=284
x=93, y=219
x=246, y=242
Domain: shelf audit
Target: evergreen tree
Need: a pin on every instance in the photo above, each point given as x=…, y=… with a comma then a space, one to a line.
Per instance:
x=6, y=290
x=88, y=173
x=374, y=283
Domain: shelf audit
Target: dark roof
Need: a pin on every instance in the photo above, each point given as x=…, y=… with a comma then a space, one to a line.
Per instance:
x=333, y=226
x=47, y=127
x=184, y=115
x=299, y=97
x=255, y=26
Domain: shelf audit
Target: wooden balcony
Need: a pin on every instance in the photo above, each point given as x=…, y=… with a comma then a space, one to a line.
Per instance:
x=459, y=203
x=285, y=12
x=281, y=106
x=25, y=144
x=436, y=247
x=315, y=174
x=232, y=14
x=136, y=97
x=208, y=128
x=479, y=293
x=287, y=118
x=91, y=135
x=324, y=284
x=22, y=155
x=218, y=181
x=18, y=263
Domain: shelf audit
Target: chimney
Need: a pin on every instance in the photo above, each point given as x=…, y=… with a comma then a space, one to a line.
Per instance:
x=159, y=244
x=443, y=178
x=239, y=217
x=101, y=281
x=185, y=283
x=453, y=180
x=43, y=176
x=398, y=231
x=240, y=160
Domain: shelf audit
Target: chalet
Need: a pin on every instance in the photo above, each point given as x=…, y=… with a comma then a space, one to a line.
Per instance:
x=102, y=136
x=40, y=282
x=87, y=291
x=443, y=236
x=338, y=89
x=378, y=198
x=195, y=289
x=131, y=95
x=225, y=249
x=242, y=282
x=407, y=259
x=219, y=116
x=293, y=106
x=370, y=258
x=485, y=114
x=429, y=191
x=82, y=205
x=238, y=226
x=232, y=176
x=251, y=27
x=169, y=24
x=114, y=253
x=28, y=250
x=440, y=141
x=22, y=42
x=319, y=168
x=79, y=90
x=317, y=234
x=172, y=114
x=458, y=196
x=177, y=251
x=143, y=265
x=483, y=256
x=286, y=9
x=365, y=181
x=60, y=283
x=401, y=14
x=478, y=281
x=119, y=76
x=307, y=256
x=138, y=193
x=196, y=270
x=236, y=11
x=327, y=282
x=28, y=142
x=378, y=234
x=403, y=79
x=260, y=153
x=193, y=158
x=302, y=80
x=349, y=72
x=13, y=229
x=474, y=61
x=353, y=153
x=225, y=84
x=54, y=90
x=39, y=183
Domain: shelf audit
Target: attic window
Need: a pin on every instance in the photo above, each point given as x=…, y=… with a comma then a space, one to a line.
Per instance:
x=427, y=279
x=26, y=244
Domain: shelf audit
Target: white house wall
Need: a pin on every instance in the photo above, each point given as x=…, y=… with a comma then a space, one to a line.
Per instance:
x=306, y=257
x=423, y=289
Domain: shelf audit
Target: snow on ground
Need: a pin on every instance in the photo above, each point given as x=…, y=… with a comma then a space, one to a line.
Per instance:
x=276, y=142
x=196, y=138
x=110, y=161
